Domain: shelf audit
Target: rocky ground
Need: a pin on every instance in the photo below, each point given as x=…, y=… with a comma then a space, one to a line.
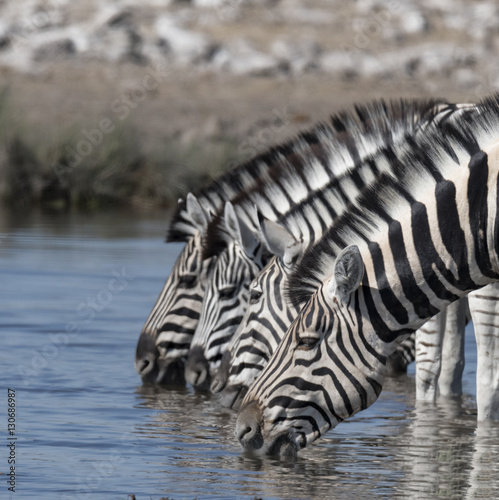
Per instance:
x=250, y=70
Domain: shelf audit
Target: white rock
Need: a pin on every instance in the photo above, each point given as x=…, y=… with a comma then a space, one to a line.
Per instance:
x=340, y=62
x=241, y=59
x=299, y=56
x=413, y=22
x=186, y=46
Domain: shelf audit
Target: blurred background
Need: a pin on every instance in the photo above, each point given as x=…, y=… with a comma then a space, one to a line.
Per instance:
x=135, y=103
x=109, y=111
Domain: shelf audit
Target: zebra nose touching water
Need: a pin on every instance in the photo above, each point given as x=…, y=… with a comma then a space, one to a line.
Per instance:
x=423, y=239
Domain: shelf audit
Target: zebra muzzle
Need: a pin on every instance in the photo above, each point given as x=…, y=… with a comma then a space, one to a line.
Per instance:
x=248, y=429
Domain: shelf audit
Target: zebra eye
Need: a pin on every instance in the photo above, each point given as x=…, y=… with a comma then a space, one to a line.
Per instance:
x=307, y=343
x=187, y=281
x=255, y=296
x=228, y=293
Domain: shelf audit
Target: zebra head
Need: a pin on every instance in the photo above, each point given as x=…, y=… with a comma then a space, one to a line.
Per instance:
x=267, y=318
x=166, y=336
x=225, y=298
x=317, y=377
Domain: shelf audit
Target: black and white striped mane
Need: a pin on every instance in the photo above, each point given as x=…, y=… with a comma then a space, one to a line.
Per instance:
x=379, y=119
x=416, y=161
x=235, y=180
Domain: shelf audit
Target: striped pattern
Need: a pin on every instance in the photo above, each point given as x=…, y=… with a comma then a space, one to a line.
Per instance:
x=484, y=308
x=306, y=161
x=419, y=242
x=298, y=196
x=268, y=318
x=165, y=336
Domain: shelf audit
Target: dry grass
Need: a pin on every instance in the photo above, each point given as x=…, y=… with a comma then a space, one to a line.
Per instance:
x=39, y=170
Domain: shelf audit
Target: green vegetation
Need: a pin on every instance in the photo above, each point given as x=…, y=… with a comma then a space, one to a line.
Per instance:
x=112, y=169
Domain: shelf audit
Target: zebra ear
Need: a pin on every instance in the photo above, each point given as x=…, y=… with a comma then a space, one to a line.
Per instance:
x=348, y=273
x=280, y=241
x=239, y=230
x=196, y=213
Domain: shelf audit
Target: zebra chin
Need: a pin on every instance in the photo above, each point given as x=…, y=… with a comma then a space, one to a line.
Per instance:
x=232, y=396
x=166, y=372
x=197, y=369
x=222, y=375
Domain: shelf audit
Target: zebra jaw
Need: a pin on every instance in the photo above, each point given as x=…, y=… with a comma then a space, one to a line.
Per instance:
x=232, y=396
x=221, y=376
x=197, y=369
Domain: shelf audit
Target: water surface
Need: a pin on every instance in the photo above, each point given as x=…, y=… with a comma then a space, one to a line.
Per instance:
x=75, y=291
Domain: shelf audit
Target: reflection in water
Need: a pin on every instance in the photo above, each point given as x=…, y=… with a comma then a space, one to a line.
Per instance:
x=393, y=450
x=484, y=473
x=448, y=455
x=440, y=439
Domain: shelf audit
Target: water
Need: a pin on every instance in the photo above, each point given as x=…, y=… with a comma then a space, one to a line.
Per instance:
x=75, y=291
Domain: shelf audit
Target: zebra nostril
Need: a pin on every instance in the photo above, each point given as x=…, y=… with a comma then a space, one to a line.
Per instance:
x=246, y=434
x=195, y=376
x=145, y=355
x=197, y=370
x=143, y=366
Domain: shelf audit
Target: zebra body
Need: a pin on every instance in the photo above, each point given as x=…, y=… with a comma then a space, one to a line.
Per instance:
x=246, y=254
x=422, y=242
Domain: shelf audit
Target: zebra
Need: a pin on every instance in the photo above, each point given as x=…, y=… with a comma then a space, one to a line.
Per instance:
x=235, y=239
x=167, y=333
x=440, y=353
x=268, y=317
x=421, y=241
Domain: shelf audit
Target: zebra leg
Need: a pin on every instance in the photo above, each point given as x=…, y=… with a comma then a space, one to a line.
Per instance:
x=484, y=307
x=451, y=373
x=403, y=356
x=429, y=357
